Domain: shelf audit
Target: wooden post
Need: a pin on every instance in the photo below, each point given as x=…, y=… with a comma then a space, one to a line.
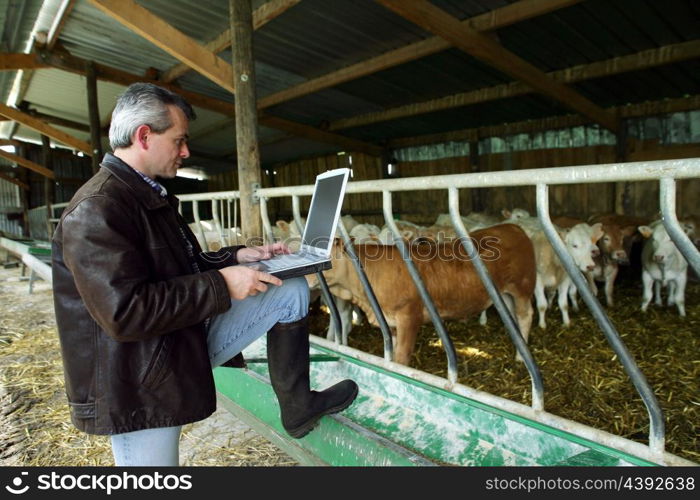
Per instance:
x=477, y=194
x=25, y=195
x=622, y=189
x=48, y=184
x=94, y=112
x=248, y=154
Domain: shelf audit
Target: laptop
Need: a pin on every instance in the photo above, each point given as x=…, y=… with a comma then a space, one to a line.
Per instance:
x=314, y=254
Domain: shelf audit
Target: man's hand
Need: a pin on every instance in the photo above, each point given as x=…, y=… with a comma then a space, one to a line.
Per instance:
x=255, y=254
x=243, y=281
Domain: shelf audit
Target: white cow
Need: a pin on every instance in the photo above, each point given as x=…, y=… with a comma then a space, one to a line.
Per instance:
x=663, y=265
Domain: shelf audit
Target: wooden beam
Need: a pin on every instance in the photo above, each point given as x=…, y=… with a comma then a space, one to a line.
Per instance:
x=35, y=167
x=59, y=22
x=248, y=151
x=67, y=62
x=55, y=120
x=495, y=19
x=14, y=181
x=173, y=37
x=653, y=108
x=10, y=142
x=44, y=128
x=634, y=62
x=261, y=16
x=437, y=21
x=154, y=29
x=318, y=135
x=14, y=62
x=94, y=113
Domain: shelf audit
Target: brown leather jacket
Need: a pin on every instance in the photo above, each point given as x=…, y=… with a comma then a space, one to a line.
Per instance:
x=130, y=309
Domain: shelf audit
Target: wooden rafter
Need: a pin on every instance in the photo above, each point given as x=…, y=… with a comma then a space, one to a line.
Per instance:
x=17, y=182
x=35, y=167
x=154, y=29
x=634, y=62
x=44, y=128
x=209, y=64
x=14, y=62
x=59, y=22
x=489, y=21
x=262, y=15
x=651, y=108
x=439, y=22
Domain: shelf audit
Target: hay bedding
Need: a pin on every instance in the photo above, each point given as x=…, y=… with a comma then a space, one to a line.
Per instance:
x=582, y=377
x=35, y=428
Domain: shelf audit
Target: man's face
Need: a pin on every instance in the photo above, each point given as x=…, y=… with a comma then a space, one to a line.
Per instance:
x=168, y=149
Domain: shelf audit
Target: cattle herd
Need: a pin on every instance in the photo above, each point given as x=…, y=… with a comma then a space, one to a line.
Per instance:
x=516, y=252
x=519, y=258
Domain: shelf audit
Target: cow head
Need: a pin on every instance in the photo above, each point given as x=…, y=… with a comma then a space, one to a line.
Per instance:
x=663, y=248
x=581, y=243
x=611, y=244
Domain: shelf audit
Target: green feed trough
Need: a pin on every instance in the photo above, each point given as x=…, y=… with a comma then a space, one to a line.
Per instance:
x=406, y=417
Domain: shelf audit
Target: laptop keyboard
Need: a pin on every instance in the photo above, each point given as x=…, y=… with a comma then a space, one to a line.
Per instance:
x=288, y=260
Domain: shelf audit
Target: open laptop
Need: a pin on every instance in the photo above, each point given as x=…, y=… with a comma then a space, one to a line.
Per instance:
x=315, y=252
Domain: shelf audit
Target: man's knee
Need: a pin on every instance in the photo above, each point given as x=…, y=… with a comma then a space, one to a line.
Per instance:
x=296, y=291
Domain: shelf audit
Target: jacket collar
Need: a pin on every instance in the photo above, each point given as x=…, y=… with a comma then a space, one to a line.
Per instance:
x=142, y=191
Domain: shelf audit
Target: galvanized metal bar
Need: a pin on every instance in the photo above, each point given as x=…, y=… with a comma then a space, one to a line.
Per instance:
x=325, y=290
x=266, y=220
x=198, y=224
x=612, y=172
x=235, y=218
x=667, y=195
x=374, y=303
x=656, y=418
x=422, y=290
x=503, y=311
x=217, y=222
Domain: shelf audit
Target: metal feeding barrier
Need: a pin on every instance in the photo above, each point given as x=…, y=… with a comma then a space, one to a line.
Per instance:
x=389, y=417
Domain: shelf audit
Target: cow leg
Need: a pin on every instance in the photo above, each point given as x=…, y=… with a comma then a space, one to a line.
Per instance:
x=680, y=293
x=482, y=318
x=671, y=301
x=523, y=315
x=407, y=325
x=573, y=297
x=541, y=301
x=563, y=301
x=591, y=283
x=657, y=293
x=610, y=277
x=647, y=284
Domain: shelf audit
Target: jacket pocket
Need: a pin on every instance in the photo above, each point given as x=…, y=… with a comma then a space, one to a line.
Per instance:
x=157, y=367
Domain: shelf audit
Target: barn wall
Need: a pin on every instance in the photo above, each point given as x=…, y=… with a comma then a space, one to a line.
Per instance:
x=574, y=200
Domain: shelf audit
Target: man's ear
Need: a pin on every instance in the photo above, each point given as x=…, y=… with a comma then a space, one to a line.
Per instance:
x=141, y=136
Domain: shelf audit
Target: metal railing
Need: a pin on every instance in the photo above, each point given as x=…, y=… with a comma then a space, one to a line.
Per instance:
x=665, y=172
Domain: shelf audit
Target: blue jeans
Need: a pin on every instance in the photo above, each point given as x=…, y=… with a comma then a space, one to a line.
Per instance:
x=229, y=333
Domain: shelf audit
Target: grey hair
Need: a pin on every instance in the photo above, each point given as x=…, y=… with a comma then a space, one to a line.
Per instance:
x=144, y=104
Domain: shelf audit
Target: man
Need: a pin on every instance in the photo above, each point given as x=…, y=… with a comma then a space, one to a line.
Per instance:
x=143, y=315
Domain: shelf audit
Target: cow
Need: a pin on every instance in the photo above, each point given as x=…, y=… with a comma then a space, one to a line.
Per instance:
x=215, y=237
x=663, y=265
x=580, y=242
x=449, y=277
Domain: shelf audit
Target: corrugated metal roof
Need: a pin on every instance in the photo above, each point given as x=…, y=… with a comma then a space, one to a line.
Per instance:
x=315, y=37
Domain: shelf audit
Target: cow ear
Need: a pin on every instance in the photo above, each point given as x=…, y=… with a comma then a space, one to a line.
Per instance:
x=283, y=225
x=645, y=231
x=597, y=232
x=506, y=213
x=628, y=230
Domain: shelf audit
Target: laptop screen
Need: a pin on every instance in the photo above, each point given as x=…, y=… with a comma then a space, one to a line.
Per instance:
x=322, y=213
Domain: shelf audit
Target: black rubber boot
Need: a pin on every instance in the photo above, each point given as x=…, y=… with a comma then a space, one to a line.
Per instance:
x=288, y=362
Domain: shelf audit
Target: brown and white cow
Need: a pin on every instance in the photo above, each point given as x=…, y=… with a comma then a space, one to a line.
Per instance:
x=449, y=276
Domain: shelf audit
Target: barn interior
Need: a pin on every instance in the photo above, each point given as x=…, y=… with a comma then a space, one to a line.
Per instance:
x=390, y=89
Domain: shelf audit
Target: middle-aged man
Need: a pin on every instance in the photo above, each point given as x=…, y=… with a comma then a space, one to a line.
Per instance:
x=143, y=315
